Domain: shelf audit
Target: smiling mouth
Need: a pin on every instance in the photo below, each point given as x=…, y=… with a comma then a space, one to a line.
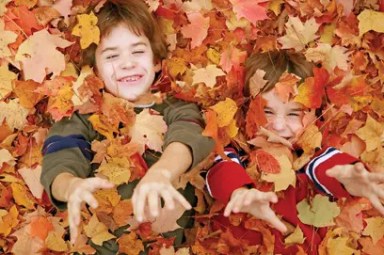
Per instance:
x=131, y=78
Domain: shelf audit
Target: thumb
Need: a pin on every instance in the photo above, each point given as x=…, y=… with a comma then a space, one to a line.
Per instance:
x=359, y=167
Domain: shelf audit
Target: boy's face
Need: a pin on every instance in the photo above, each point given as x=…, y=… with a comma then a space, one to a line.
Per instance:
x=125, y=63
x=284, y=119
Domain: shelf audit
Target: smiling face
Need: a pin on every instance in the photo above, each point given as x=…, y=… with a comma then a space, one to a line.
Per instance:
x=284, y=119
x=125, y=62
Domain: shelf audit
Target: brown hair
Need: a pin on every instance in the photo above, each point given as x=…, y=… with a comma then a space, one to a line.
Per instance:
x=136, y=16
x=275, y=63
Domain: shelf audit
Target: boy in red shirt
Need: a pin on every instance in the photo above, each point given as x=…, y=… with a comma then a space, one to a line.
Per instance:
x=330, y=172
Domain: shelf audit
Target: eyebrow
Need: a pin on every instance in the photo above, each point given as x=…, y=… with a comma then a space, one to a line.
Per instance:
x=132, y=46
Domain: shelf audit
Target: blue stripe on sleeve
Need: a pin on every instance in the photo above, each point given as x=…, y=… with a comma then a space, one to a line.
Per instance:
x=57, y=143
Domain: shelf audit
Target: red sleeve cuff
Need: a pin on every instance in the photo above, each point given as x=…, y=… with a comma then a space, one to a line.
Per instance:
x=225, y=177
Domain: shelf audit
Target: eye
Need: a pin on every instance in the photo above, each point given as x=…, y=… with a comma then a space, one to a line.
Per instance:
x=267, y=111
x=111, y=56
x=138, y=52
x=294, y=114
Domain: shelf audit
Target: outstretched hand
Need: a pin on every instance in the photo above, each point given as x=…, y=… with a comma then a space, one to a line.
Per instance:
x=256, y=203
x=153, y=187
x=358, y=181
x=81, y=191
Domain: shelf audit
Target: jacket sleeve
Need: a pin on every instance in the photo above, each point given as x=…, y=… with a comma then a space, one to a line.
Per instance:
x=226, y=176
x=185, y=125
x=316, y=171
x=67, y=149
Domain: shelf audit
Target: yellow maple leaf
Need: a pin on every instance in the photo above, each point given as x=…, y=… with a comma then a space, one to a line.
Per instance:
x=97, y=231
x=286, y=176
x=6, y=38
x=296, y=237
x=176, y=66
x=298, y=34
x=370, y=20
x=213, y=55
x=22, y=196
x=116, y=170
x=78, y=99
x=13, y=113
x=374, y=228
x=60, y=105
x=328, y=33
x=87, y=30
x=340, y=246
x=6, y=79
x=275, y=6
x=371, y=133
x=25, y=91
x=148, y=130
x=319, y=213
x=232, y=129
x=103, y=127
x=207, y=75
x=310, y=139
x=130, y=244
x=107, y=196
x=330, y=57
x=9, y=221
x=225, y=111
x=55, y=242
x=28, y=3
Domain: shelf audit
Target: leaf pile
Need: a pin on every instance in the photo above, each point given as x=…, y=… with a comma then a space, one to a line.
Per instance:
x=41, y=81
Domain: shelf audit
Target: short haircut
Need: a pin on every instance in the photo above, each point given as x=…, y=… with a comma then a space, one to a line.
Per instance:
x=136, y=16
x=275, y=63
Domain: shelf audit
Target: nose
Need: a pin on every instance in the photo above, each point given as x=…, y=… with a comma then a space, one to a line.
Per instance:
x=127, y=62
x=278, y=123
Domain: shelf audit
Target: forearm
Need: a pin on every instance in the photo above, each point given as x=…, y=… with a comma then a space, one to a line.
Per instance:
x=61, y=186
x=174, y=161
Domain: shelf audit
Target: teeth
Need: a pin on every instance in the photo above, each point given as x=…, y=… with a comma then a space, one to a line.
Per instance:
x=130, y=78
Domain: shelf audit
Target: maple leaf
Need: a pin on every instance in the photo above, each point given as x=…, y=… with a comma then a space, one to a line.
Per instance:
x=123, y=212
x=3, y=4
x=87, y=30
x=298, y=34
x=374, y=228
x=310, y=139
x=116, y=170
x=255, y=117
x=266, y=162
x=31, y=177
x=45, y=14
x=148, y=130
x=232, y=57
x=130, y=244
x=26, y=92
x=60, y=105
x=297, y=237
x=285, y=88
x=257, y=82
x=340, y=246
x=6, y=38
x=370, y=248
x=39, y=61
x=207, y=75
x=351, y=215
x=284, y=178
x=252, y=10
x=371, y=133
x=370, y=20
x=330, y=57
x=319, y=213
x=22, y=196
x=197, y=6
x=6, y=79
x=40, y=226
x=225, y=111
x=28, y=3
x=197, y=30
x=13, y=113
x=97, y=231
x=55, y=242
x=9, y=221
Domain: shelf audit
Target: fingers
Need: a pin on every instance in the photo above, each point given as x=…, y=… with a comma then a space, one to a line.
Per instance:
x=275, y=222
x=376, y=203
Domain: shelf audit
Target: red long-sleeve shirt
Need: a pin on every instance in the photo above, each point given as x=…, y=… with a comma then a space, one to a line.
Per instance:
x=226, y=176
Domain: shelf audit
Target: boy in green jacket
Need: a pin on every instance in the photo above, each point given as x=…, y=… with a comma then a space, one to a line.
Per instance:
x=127, y=59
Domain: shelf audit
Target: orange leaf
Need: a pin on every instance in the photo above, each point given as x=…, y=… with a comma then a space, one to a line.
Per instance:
x=266, y=162
x=40, y=226
x=255, y=116
x=25, y=91
x=130, y=244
